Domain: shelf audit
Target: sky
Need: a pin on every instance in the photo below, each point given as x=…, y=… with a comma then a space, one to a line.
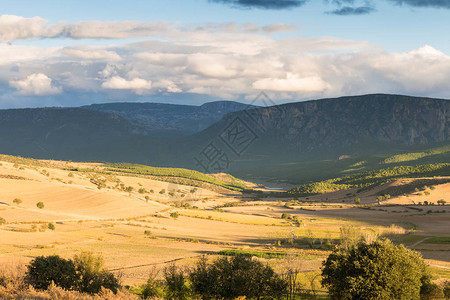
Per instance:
x=72, y=53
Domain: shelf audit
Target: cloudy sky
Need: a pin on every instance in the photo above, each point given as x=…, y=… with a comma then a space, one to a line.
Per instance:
x=71, y=52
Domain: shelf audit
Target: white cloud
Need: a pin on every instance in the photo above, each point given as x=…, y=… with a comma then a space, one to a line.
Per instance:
x=92, y=53
x=166, y=85
x=213, y=65
x=292, y=83
x=16, y=27
x=119, y=83
x=35, y=85
x=219, y=60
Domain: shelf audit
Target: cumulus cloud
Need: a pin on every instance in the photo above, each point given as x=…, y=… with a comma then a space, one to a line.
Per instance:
x=118, y=83
x=264, y=4
x=35, y=85
x=292, y=83
x=225, y=62
x=91, y=53
x=17, y=27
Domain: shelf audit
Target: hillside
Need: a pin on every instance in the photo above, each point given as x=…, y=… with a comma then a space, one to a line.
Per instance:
x=60, y=132
x=371, y=179
x=169, y=119
x=296, y=142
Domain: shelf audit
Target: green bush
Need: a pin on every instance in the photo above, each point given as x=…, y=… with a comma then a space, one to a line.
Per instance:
x=17, y=201
x=84, y=273
x=92, y=275
x=151, y=289
x=40, y=205
x=446, y=289
x=2, y=221
x=285, y=216
x=175, y=283
x=237, y=276
x=174, y=215
x=380, y=270
x=45, y=269
x=51, y=226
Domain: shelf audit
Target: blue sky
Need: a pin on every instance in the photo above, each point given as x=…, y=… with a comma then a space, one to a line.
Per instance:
x=191, y=51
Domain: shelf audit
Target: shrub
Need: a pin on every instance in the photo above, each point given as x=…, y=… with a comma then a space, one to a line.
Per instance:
x=92, y=276
x=380, y=270
x=51, y=226
x=357, y=200
x=175, y=283
x=150, y=289
x=2, y=221
x=40, y=205
x=174, y=215
x=446, y=289
x=45, y=269
x=163, y=191
x=285, y=216
x=431, y=290
x=237, y=276
x=17, y=201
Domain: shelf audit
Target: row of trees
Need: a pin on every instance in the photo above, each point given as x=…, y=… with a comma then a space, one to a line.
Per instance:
x=376, y=270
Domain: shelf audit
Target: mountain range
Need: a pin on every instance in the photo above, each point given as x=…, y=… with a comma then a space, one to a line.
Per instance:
x=229, y=136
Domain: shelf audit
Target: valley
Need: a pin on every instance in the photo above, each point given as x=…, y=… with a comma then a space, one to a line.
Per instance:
x=141, y=219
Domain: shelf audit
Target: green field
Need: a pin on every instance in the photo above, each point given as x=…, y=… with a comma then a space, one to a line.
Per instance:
x=371, y=179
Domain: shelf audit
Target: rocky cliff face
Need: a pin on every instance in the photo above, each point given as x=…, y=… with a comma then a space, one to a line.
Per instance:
x=334, y=123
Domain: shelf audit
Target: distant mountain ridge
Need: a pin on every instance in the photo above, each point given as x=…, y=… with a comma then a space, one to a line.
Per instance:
x=160, y=119
x=276, y=138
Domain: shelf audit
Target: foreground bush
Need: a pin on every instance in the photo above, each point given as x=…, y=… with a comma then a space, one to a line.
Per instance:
x=84, y=273
x=380, y=270
x=229, y=278
x=45, y=269
x=91, y=275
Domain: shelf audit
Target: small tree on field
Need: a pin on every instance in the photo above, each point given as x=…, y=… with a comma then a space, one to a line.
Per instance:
x=2, y=221
x=51, y=226
x=174, y=215
x=441, y=201
x=380, y=270
x=40, y=205
x=357, y=200
x=285, y=216
x=17, y=201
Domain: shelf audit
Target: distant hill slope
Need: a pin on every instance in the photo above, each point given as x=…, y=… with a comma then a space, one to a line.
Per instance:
x=170, y=119
x=60, y=132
